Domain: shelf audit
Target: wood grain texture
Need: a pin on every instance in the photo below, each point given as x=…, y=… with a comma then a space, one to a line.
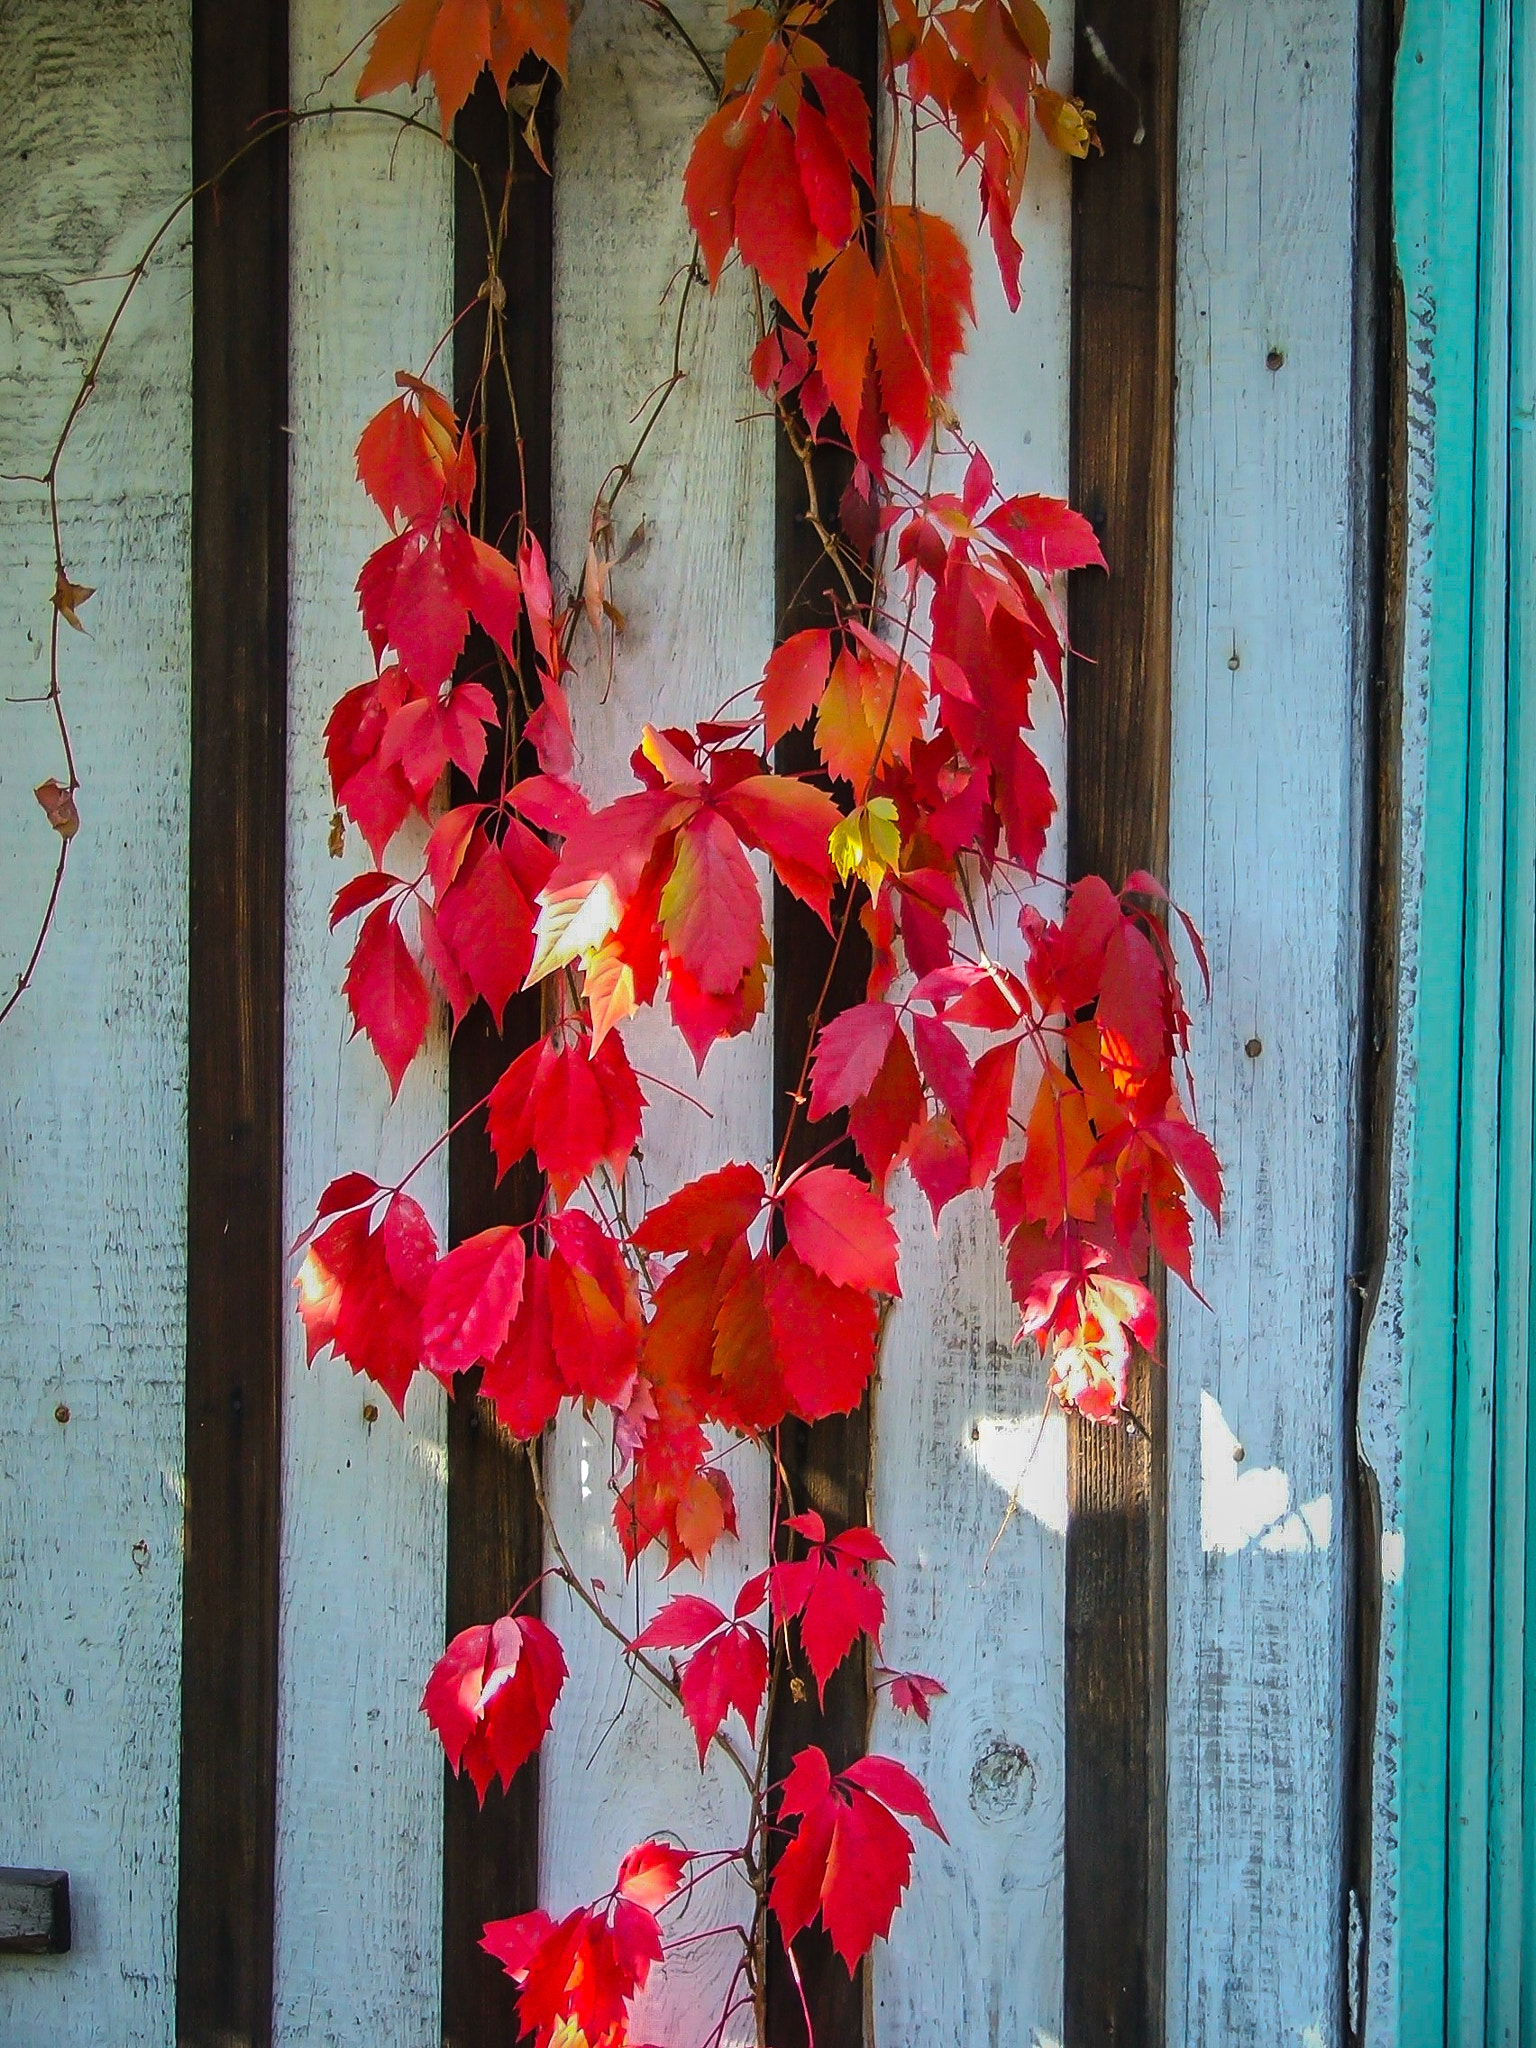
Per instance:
x=360, y=1775
x=1267, y=746
x=235, y=1041
x=95, y=148
x=491, y=1853
x=1123, y=220
x=699, y=603
x=960, y=1423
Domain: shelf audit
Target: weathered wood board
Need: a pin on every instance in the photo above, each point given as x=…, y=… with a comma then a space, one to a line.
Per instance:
x=95, y=148
x=1265, y=856
x=359, y=1788
x=961, y=1431
x=699, y=608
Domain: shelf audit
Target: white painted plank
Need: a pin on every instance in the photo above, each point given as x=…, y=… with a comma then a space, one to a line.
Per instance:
x=94, y=151
x=364, y=1528
x=975, y=1956
x=1265, y=749
x=699, y=604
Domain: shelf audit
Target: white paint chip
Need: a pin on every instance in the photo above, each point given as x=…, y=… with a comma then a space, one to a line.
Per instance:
x=1027, y=1461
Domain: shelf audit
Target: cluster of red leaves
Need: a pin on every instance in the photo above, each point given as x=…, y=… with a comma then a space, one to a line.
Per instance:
x=579, y=1975
x=747, y=1297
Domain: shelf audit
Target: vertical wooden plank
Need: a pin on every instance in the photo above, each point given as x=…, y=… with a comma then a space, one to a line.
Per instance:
x=95, y=149
x=698, y=598
x=358, y=1912
x=826, y=1463
x=490, y=1853
x=1436, y=208
x=960, y=1426
x=1123, y=284
x=1263, y=855
x=1480, y=1381
x=235, y=1080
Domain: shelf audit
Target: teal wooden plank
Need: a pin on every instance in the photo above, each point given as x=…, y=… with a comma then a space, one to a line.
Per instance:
x=1511, y=1979
x=1466, y=210
x=1435, y=179
x=1477, y=1364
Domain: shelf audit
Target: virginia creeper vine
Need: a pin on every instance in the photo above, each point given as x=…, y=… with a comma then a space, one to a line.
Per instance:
x=754, y=1292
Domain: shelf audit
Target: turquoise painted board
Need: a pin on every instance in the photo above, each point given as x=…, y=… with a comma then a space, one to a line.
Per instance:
x=1466, y=231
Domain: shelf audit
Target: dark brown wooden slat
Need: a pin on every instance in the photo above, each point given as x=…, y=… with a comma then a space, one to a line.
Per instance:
x=1123, y=219
x=236, y=1296
x=827, y=1462
x=490, y=1856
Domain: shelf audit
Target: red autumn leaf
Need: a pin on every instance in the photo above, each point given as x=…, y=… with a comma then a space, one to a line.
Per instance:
x=594, y=1307
x=711, y=908
x=1046, y=535
x=774, y=229
x=717, y=1205
x=842, y=329
x=794, y=679
x=937, y=1159
x=709, y=188
x=426, y=733
x=361, y=1292
x=923, y=300
x=471, y=1301
x=882, y=1122
x=522, y=1381
x=841, y=1229
x=849, y=1859
x=452, y=41
x=674, y=1497
x=374, y=795
x=729, y=1667
x=387, y=994
x=410, y=458
x=577, y=1109
x=491, y=1696
x=579, y=1975
x=848, y=115
x=850, y=1052
x=825, y=178
x=823, y=1338
x=911, y=1691
x=830, y=1591
x=792, y=822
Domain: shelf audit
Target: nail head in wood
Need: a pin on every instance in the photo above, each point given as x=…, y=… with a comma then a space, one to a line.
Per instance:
x=34, y=1912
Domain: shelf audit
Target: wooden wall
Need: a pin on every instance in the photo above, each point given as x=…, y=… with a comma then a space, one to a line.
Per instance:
x=95, y=147
x=1267, y=850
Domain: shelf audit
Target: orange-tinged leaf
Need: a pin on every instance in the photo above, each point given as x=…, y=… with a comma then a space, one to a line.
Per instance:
x=711, y=908
x=794, y=679
x=924, y=298
x=774, y=230
x=453, y=40
x=709, y=188
x=824, y=176
x=842, y=328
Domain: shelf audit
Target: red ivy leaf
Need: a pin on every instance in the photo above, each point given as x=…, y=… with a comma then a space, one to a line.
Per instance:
x=491, y=1696
x=471, y=1301
x=841, y=1229
x=387, y=994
